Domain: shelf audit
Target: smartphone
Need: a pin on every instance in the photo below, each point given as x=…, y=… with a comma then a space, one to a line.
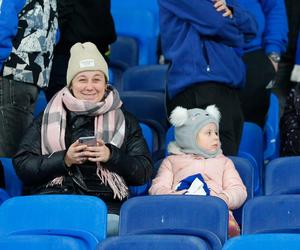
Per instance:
x=88, y=140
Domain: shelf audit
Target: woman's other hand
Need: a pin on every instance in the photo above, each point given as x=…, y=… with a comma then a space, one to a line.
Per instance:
x=98, y=153
x=75, y=154
x=220, y=5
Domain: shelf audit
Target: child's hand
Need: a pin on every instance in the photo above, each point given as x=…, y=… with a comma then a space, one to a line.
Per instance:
x=220, y=5
x=183, y=191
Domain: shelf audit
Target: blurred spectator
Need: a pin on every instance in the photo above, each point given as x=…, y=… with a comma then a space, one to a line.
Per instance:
x=200, y=39
x=290, y=121
x=27, y=38
x=262, y=56
x=283, y=82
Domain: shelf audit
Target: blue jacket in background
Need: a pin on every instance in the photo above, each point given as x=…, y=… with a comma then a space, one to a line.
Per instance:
x=272, y=25
x=9, y=10
x=201, y=44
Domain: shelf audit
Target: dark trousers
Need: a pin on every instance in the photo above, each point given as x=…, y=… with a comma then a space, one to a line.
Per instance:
x=255, y=98
x=17, y=101
x=226, y=99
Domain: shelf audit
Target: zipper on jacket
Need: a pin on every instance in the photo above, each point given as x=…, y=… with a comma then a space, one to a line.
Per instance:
x=205, y=55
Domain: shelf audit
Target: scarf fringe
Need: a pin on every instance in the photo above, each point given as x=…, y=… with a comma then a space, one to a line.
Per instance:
x=56, y=182
x=116, y=182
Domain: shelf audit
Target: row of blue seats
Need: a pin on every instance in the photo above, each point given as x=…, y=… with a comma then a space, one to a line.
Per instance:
x=281, y=177
x=152, y=241
x=204, y=217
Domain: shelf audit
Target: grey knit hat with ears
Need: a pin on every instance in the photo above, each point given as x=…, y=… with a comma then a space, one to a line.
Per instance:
x=85, y=57
x=187, y=123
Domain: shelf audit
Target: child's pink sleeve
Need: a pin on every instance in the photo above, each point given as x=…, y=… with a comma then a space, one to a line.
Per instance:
x=233, y=187
x=162, y=183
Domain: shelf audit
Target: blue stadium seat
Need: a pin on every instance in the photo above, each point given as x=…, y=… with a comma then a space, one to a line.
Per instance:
x=202, y=216
x=149, y=5
x=153, y=241
x=282, y=176
x=13, y=185
x=245, y=169
x=79, y=216
x=271, y=131
x=251, y=148
x=3, y=196
x=170, y=136
x=124, y=53
x=145, y=78
x=149, y=108
x=143, y=189
x=148, y=135
x=264, y=242
x=38, y=242
x=272, y=214
x=141, y=25
x=40, y=104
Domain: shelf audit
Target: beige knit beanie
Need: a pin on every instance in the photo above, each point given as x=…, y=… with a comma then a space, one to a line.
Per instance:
x=85, y=57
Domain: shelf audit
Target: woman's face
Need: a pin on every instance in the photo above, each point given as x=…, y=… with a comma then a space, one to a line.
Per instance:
x=89, y=86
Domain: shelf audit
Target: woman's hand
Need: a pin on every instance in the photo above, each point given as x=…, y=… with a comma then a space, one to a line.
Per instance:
x=98, y=153
x=75, y=154
x=220, y=5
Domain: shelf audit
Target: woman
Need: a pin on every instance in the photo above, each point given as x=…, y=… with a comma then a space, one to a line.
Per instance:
x=51, y=159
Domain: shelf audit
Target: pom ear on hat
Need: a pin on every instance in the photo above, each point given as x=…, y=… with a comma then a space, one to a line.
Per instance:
x=213, y=111
x=179, y=116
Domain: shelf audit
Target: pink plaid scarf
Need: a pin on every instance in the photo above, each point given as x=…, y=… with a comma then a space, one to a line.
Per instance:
x=107, y=115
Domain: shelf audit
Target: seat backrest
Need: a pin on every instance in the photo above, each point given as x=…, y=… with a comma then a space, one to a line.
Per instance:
x=45, y=242
x=252, y=144
x=124, y=53
x=271, y=214
x=271, y=131
x=145, y=78
x=174, y=214
x=143, y=189
x=263, y=242
x=13, y=185
x=40, y=104
x=143, y=27
x=282, y=176
x=148, y=135
x=170, y=136
x=148, y=108
x=153, y=241
x=79, y=215
x=245, y=170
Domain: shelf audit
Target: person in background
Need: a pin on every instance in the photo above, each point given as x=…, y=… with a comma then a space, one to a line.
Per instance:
x=27, y=39
x=262, y=56
x=283, y=83
x=51, y=158
x=202, y=41
x=79, y=21
x=196, y=165
x=290, y=121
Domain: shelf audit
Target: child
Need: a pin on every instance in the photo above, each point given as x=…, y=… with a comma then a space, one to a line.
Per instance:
x=196, y=164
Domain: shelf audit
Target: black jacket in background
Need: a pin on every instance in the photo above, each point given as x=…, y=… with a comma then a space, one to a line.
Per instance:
x=83, y=21
x=132, y=161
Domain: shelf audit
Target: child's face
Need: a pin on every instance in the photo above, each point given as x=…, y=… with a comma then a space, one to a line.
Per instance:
x=208, y=138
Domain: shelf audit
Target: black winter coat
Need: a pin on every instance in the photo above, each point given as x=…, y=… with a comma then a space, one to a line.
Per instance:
x=132, y=161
